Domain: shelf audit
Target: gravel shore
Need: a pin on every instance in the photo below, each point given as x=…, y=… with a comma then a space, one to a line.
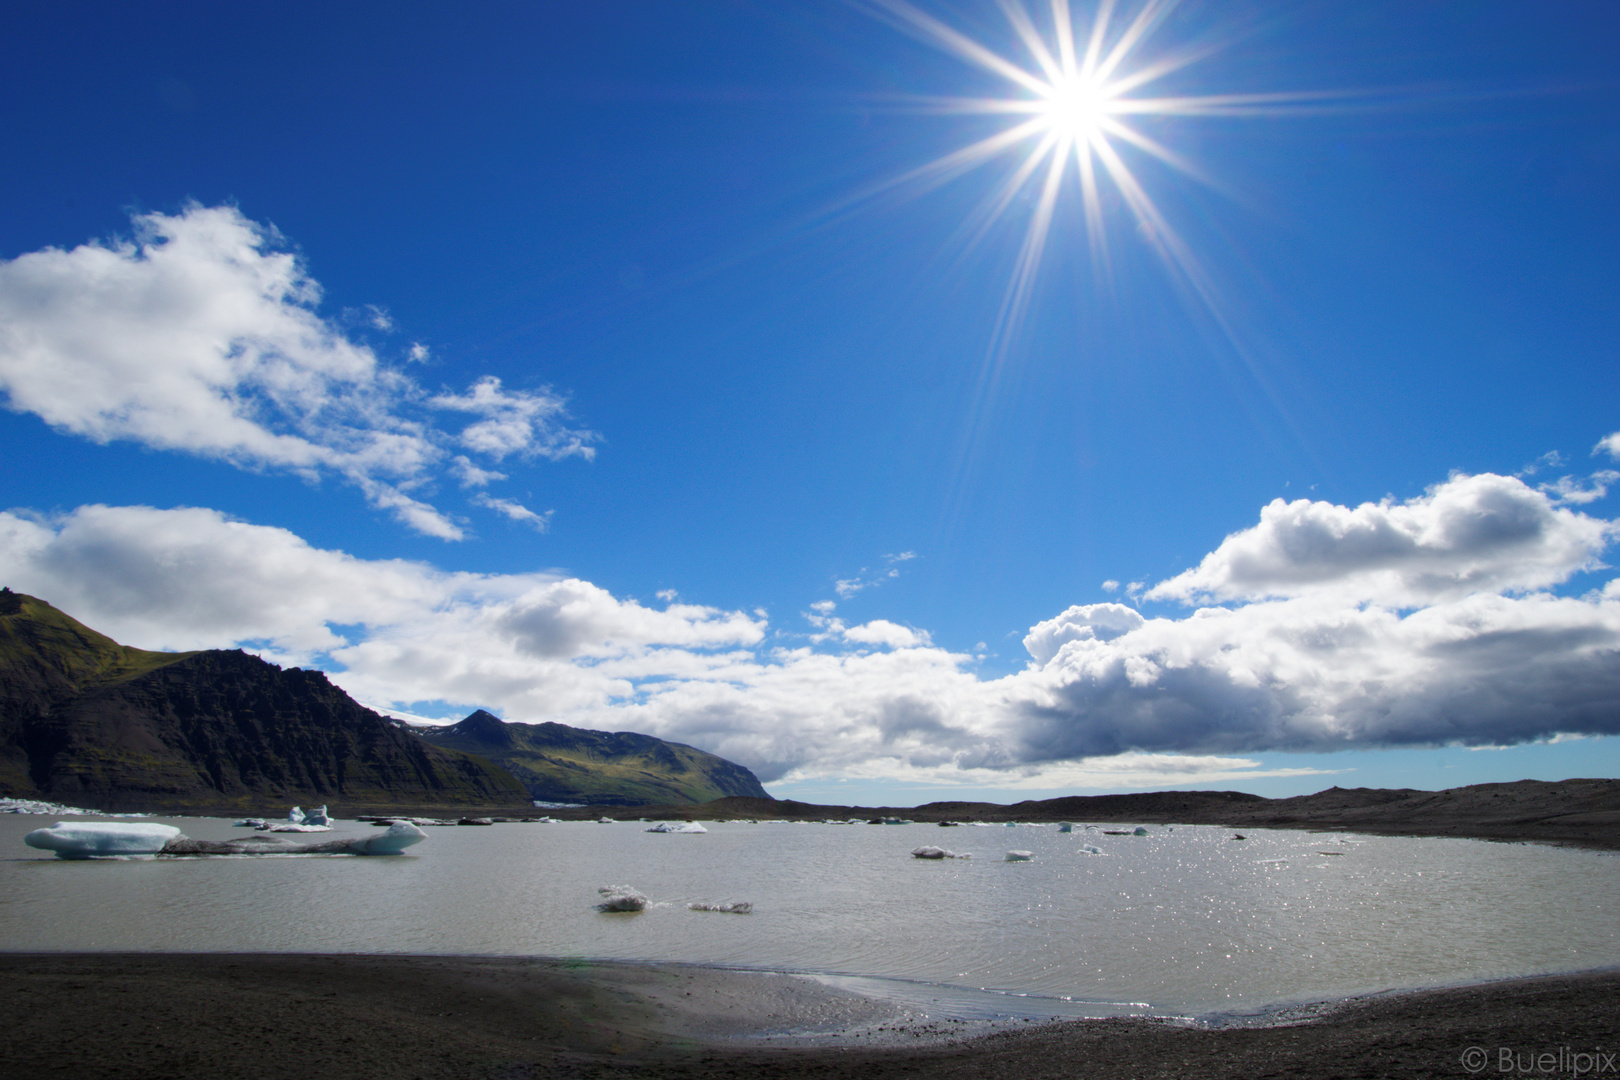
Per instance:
x=126, y=1016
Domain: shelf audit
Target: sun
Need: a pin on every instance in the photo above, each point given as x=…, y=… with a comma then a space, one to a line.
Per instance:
x=1075, y=99
x=1076, y=108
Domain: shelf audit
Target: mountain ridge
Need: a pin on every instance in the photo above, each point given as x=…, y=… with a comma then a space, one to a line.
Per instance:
x=84, y=719
x=563, y=764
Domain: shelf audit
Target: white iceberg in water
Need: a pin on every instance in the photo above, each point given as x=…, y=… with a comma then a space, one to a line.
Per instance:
x=1090, y=849
x=930, y=852
x=1020, y=856
x=620, y=898
x=88, y=839
x=300, y=821
x=733, y=907
x=678, y=826
x=399, y=836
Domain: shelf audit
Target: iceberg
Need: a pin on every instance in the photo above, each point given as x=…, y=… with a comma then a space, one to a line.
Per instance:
x=678, y=827
x=1140, y=831
x=89, y=839
x=733, y=907
x=620, y=898
x=1065, y=826
x=250, y=823
x=1020, y=856
x=1090, y=849
x=393, y=841
x=929, y=851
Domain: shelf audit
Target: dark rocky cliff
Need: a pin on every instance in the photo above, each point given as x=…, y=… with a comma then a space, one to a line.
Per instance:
x=88, y=721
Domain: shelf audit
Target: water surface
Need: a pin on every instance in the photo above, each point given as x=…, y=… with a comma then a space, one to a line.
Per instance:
x=1186, y=922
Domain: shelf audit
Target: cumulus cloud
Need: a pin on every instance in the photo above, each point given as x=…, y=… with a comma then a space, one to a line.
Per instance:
x=1470, y=534
x=883, y=632
x=1609, y=444
x=1430, y=622
x=201, y=336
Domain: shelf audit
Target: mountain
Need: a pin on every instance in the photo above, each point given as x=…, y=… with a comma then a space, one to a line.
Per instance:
x=558, y=763
x=88, y=721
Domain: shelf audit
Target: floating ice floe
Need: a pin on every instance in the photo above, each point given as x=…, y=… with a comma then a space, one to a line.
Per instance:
x=89, y=839
x=1065, y=826
x=620, y=898
x=1139, y=831
x=731, y=907
x=34, y=806
x=1090, y=849
x=678, y=827
x=250, y=823
x=1020, y=856
x=398, y=837
x=929, y=851
x=298, y=821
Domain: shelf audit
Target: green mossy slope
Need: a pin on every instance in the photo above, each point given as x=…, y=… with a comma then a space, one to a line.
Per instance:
x=558, y=763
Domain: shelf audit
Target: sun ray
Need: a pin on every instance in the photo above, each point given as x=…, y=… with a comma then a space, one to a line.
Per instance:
x=1075, y=96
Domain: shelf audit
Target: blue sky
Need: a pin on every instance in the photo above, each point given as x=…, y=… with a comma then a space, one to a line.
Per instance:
x=626, y=365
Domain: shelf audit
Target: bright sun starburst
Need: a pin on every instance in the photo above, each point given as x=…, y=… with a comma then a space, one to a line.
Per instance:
x=1071, y=101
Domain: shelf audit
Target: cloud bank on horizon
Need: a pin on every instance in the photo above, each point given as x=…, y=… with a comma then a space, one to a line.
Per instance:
x=1446, y=619
x=200, y=336
x=1433, y=621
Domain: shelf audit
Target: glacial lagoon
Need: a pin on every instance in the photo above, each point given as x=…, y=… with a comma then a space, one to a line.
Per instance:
x=1185, y=922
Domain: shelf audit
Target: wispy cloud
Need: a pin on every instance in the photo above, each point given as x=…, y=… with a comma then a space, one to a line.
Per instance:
x=201, y=335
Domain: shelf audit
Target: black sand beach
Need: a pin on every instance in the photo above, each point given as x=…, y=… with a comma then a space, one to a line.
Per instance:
x=300, y=1017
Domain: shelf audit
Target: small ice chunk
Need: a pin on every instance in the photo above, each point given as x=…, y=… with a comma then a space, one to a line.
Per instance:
x=678, y=827
x=317, y=816
x=1020, y=856
x=929, y=851
x=295, y=826
x=1065, y=826
x=399, y=836
x=731, y=907
x=251, y=823
x=1090, y=849
x=604, y=821
x=296, y=816
x=1140, y=831
x=87, y=839
x=620, y=898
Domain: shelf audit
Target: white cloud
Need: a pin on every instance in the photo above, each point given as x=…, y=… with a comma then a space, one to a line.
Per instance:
x=1110, y=586
x=1470, y=534
x=1609, y=444
x=824, y=607
x=516, y=511
x=419, y=353
x=1568, y=489
x=1101, y=622
x=883, y=632
x=200, y=336
x=1447, y=634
